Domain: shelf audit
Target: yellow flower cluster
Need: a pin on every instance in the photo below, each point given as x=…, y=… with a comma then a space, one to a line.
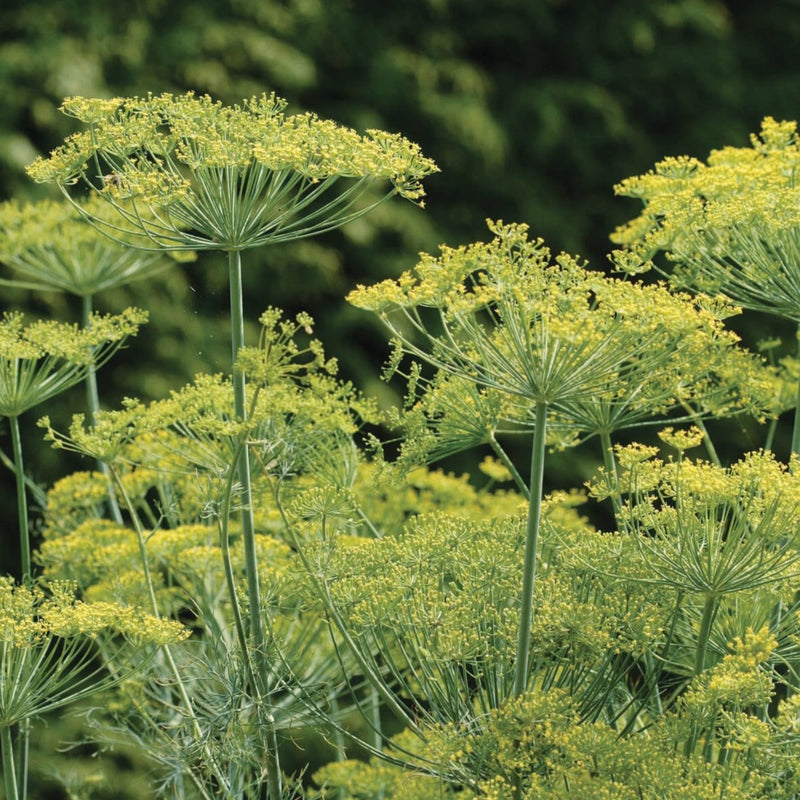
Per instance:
x=52, y=245
x=30, y=617
x=729, y=225
x=507, y=326
x=233, y=174
x=40, y=360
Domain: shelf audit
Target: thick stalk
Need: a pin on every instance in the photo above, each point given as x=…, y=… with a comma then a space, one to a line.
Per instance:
x=248, y=526
x=709, y=612
x=796, y=429
x=27, y=578
x=9, y=771
x=610, y=464
x=531, y=547
x=243, y=465
x=22, y=504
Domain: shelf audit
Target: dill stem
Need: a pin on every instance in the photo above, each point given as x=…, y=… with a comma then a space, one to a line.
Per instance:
x=248, y=525
x=796, y=428
x=531, y=546
x=93, y=403
x=22, y=504
x=9, y=772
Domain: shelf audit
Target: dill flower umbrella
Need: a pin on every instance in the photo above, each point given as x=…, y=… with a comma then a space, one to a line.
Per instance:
x=41, y=360
x=730, y=226
x=545, y=335
x=50, y=247
x=48, y=660
x=188, y=173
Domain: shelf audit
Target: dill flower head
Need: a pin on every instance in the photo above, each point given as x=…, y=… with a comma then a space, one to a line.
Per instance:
x=41, y=360
x=525, y=327
x=190, y=173
x=50, y=245
x=729, y=225
x=47, y=657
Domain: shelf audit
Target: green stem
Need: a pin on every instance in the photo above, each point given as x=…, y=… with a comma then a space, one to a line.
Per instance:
x=709, y=613
x=275, y=786
x=9, y=771
x=230, y=579
x=243, y=465
x=93, y=403
x=22, y=504
x=531, y=546
x=24, y=740
x=27, y=578
x=697, y=420
x=215, y=769
x=796, y=429
x=509, y=465
x=610, y=464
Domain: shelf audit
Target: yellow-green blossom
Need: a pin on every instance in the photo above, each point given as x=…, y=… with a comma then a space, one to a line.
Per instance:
x=187, y=172
x=42, y=359
x=49, y=245
x=729, y=225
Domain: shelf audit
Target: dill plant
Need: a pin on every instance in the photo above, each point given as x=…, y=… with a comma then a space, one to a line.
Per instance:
x=41, y=360
x=50, y=247
x=524, y=653
x=187, y=173
x=546, y=337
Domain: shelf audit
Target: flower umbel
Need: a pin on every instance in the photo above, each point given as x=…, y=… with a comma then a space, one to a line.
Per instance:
x=187, y=172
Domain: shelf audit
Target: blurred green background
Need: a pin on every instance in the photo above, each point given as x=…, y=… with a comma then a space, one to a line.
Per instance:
x=533, y=109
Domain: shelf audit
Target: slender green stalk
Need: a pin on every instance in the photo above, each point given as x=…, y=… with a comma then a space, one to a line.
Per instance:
x=707, y=620
x=230, y=580
x=697, y=420
x=9, y=771
x=531, y=546
x=22, y=504
x=796, y=429
x=709, y=612
x=509, y=465
x=24, y=739
x=93, y=402
x=248, y=525
x=377, y=729
x=27, y=578
x=215, y=769
x=610, y=464
x=243, y=465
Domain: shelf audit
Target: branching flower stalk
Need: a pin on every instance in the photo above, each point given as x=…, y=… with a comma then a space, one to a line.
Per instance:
x=48, y=660
x=50, y=247
x=215, y=769
x=552, y=340
x=41, y=360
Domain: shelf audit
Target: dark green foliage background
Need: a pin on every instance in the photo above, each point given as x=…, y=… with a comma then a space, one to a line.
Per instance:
x=533, y=109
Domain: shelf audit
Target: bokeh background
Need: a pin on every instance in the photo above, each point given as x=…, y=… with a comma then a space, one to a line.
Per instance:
x=533, y=109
